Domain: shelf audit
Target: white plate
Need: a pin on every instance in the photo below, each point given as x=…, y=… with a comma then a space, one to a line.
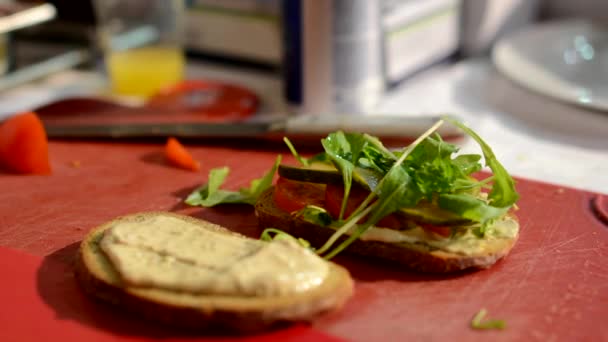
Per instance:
x=567, y=60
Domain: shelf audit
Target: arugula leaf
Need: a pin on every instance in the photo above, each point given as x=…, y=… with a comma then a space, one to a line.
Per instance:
x=260, y=185
x=344, y=151
x=314, y=214
x=432, y=148
x=476, y=322
x=281, y=235
x=467, y=163
x=320, y=158
x=433, y=169
x=376, y=156
x=302, y=160
x=210, y=194
x=503, y=193
x=394, y=191
x=471, y=207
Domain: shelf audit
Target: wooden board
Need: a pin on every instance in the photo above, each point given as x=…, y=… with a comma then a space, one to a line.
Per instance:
x=553, y=286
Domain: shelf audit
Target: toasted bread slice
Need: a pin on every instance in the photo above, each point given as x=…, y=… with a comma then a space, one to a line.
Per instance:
x=238, y=314
x=414, y=256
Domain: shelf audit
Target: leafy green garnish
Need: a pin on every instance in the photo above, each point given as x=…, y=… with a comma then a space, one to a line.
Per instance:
x=425, y=170
x=395, y=190
x=472, y=208
x=503, y=193
x=295, y=153
x=210, y=194
x=267, y=235
x=432, y=168
x=476, y=322
x=314, y=214
x=344, y=149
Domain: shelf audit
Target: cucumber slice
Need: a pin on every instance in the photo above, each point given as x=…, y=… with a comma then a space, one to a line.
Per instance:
x=427, y=212
x=316, y=173
x=328, y=174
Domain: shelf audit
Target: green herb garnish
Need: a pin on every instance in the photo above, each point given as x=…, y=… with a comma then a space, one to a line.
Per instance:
x=476, y=322
x=395, y=190
x=292, y=149
x=314, y=214
x=344, y=149
x=270, y=234
x=210, y=194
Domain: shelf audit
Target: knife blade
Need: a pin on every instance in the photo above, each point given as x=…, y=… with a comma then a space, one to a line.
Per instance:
x=296, y=127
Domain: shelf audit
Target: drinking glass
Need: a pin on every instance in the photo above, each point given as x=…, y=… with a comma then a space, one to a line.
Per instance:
x=141, y=43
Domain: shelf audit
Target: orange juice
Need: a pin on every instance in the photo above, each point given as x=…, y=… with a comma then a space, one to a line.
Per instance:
x=145, y=70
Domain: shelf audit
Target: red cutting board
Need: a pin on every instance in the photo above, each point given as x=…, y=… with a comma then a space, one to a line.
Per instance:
x=552, y=287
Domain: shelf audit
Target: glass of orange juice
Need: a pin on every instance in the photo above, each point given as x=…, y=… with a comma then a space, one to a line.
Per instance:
x=141, y=42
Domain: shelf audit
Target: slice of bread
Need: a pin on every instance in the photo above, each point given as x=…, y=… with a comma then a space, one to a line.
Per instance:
x=238, y=314
x=413, y=256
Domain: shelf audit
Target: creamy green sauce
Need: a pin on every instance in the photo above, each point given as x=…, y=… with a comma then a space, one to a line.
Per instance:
x=169, y=253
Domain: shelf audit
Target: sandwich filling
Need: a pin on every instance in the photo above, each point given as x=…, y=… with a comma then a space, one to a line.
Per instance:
x=463, y=241
x=169, y=253
x=319, y=204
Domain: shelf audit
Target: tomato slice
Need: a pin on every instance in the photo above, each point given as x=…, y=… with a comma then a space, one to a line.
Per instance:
x=439, y=230
x=333, y=204
x=290, y=195
x=334, y=195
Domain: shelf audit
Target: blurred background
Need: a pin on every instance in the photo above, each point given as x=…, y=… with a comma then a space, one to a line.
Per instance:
x=528, y=75
x=336, y=55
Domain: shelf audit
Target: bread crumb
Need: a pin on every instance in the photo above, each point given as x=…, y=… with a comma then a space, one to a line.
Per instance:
x=75, y=163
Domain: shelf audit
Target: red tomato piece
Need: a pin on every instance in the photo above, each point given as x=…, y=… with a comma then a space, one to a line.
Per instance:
x=333, y=204
x=290, y=195
x=24, y=145
x=439, y=230
x=334, y=195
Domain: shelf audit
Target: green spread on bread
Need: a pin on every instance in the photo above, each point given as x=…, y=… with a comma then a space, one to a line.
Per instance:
x=193, y=274
x=166, y=252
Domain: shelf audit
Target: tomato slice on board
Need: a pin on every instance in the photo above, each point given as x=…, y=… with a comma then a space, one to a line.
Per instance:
x=290, y=195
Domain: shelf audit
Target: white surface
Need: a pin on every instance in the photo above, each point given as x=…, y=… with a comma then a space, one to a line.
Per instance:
x=567, y=60
x=532, y=135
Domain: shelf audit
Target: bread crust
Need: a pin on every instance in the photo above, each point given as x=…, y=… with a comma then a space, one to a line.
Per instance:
x=416, y=257
x=224, y=314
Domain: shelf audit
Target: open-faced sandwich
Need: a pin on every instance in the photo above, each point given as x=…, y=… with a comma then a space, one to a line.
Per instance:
x=194, y=274
x=422, y=206
x=419, y=206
